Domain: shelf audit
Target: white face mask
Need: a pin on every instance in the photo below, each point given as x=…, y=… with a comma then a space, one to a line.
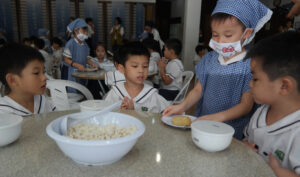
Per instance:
x=227, y=49
x=82, y=37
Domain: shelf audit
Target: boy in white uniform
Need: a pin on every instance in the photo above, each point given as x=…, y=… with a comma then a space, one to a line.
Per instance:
x=171, y=72
x=22, y=74
x=134, y=63
x=274, y=128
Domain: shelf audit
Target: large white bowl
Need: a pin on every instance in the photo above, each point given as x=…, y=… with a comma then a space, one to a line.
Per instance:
x=10, y=128
x=97, y=152
x=211, y=136
x=94, y=105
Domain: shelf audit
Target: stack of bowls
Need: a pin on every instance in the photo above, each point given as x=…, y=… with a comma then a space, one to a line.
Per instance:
x=10, y=128
x=211, y=136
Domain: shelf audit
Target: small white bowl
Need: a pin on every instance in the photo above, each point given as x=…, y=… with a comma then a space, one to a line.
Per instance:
x=211, y=136
x=10, y=128
x=97, y=152
x=94, y=105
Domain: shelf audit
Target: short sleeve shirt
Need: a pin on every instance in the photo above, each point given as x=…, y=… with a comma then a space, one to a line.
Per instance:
x=174, y=70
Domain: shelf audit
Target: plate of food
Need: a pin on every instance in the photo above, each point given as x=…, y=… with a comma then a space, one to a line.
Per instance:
x=91, y=69
x=179, y=121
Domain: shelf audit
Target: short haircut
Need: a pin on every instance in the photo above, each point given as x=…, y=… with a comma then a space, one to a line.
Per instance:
x=26, y=39
x=152, y=44
x=279, y=55
x=131, y=49
x=14, y=58
x=39, y=43
x=199, y=48
x=149, y=23
x=88, y=19
x=56, y=40
x=221, y=17
x=119, y=20
x=174, y=44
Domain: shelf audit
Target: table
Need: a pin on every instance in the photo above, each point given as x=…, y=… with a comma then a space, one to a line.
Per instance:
x=162, y=151
x=95, y=75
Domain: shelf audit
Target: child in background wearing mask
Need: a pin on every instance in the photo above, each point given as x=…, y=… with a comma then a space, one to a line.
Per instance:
x=76, y=51
x=222, y=88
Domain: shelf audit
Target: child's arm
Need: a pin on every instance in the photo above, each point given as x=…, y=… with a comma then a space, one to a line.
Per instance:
x=192, y=97
x=127, y=103
x=278, y=170
x=241, y=109
x=90, y=62
x=165, y=78
x=69, y=61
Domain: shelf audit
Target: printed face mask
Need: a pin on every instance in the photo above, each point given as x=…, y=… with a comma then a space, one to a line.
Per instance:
x=82, y=37
x=226, y=49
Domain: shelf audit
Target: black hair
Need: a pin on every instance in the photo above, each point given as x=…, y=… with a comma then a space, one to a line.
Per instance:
x=14, y=58
x=119, y=20
x=149, y=23
x=56, y=40
x=279, y=55
x=129, y=49
x=221, y=17
x=26, y=39
x=199, y=48
x=88, y=19
x=151, y=44
x=174, y=44
x=39, y=43
x=2, y=42
x=32, y=38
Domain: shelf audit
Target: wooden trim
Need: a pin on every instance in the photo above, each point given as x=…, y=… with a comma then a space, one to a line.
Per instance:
x=104, y=14
x=77, y=9
x=131, y=20
x=18, y=14
x=49, y=10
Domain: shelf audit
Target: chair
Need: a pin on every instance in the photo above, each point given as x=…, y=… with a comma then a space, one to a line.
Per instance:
x=59, y=94
x=188, y=76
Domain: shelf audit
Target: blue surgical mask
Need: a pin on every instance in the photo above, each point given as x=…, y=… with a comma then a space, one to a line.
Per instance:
x=81, y=36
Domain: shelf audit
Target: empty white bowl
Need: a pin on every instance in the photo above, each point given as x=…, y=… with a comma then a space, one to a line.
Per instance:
x=10, y=128
x=211, y=136
x=94, y=105
x=97, y=152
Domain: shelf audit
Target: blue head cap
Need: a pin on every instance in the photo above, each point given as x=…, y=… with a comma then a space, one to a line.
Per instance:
x=43, y=32
x=252, y=13
x=76, y=24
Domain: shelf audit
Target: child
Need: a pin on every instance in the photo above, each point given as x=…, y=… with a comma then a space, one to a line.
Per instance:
x=274, y=129
x=39, y=44
x=114, y=77
x=101, y=59
x=134, y=61
x=171, y=73
x=22, y=74
x=57, y=53
x=222, y=88
x=200, y=52
x=154, y=49
x=76, y=51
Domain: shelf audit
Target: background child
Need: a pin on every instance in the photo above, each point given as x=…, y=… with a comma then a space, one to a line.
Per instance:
x=134, y=61
x=22, y=73
x=76, y=51
x=114, y=77
x=39, y=44
x=222, y=88
x=274, y=129
x=57, y=53
x=101, y=58
x=171, y=72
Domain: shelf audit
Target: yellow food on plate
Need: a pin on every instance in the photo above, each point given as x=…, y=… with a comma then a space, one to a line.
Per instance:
x=181, y=121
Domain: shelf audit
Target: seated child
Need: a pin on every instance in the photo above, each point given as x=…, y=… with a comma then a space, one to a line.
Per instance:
x=171, y=72
x=274, y=129
x=153, y=48
x=22, y=74
x=39, y=44
x=200, y=52
x=114, y=77
x=134, y=63
x=101, y=58
x=57, y=53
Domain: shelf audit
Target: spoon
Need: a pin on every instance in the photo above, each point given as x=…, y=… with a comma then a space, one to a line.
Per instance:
x=67, y=121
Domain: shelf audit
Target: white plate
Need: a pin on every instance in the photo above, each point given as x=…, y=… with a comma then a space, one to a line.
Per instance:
x=90, y=69
x=168, y=120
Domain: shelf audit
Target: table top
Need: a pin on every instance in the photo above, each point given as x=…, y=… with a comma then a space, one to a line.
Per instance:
x=93, y=75
x=161, y=151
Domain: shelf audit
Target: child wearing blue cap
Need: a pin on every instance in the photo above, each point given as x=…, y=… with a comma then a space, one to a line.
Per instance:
x=76, y=50
x=222, y=89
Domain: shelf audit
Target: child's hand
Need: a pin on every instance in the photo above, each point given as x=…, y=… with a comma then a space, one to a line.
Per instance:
x=251, y=145
x=94, y=65
x=127, y=103
x=273, y=162
x=161, y=63
x=175, y=109
x=80, y=67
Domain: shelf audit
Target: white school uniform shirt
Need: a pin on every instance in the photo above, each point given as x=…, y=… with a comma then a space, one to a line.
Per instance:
x=281, y=138
x=41, y=105
x=174, y=70
x=48, y=61
x=147, y=100
x=154, y=57
x=114, y=77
